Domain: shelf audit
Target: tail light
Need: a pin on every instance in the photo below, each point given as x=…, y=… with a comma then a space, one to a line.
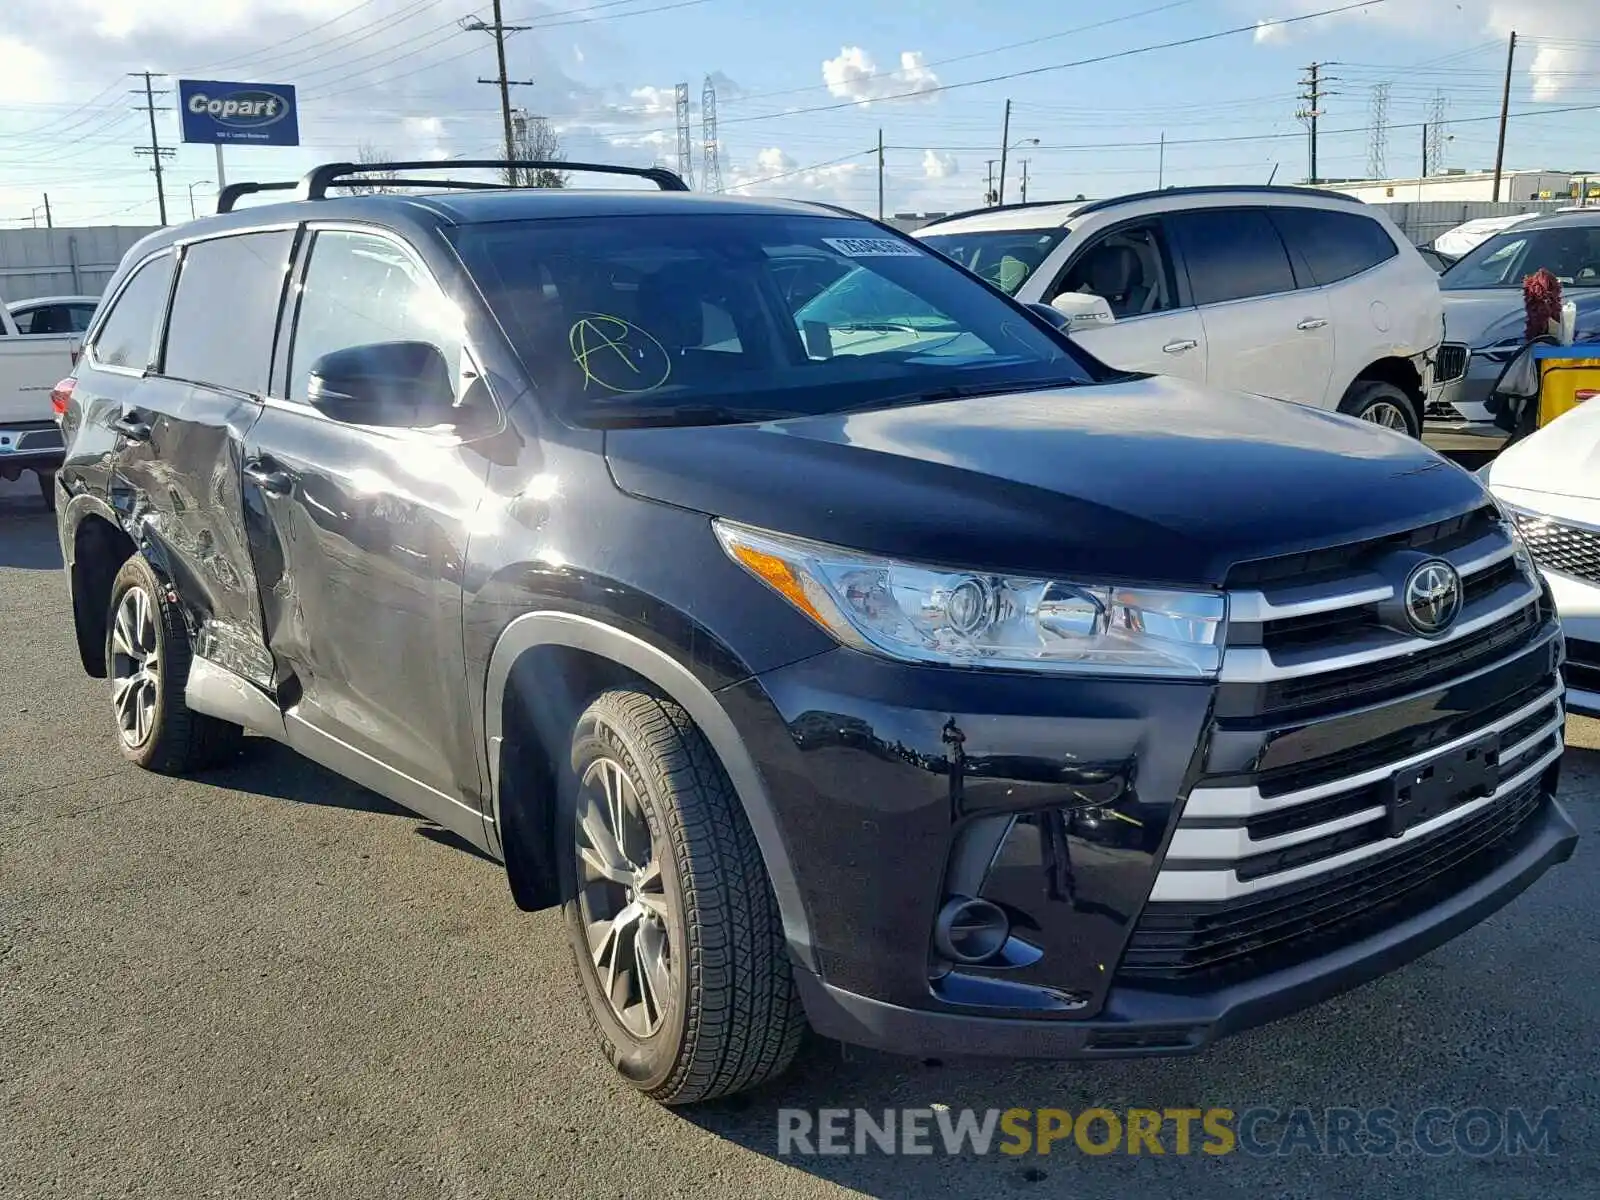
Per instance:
x=60, y=395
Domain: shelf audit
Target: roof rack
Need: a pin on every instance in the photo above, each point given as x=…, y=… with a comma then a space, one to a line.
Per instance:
x=1209, y=189
x=233, y=192
x=993, y=208
x=316, y=182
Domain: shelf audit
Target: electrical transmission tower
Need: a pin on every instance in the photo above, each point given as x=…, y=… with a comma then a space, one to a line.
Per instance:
x=155, y=149
x=685, y=147
x=711, y=164
x=1436, y=138
x=1378, y=136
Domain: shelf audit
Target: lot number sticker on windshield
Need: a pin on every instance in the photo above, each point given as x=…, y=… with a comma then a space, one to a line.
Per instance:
x=872, y=248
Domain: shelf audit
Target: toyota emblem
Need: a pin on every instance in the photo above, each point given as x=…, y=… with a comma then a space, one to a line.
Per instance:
x=1432, y=597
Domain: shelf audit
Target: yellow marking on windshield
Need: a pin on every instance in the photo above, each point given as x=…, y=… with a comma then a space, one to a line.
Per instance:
x=618, y=355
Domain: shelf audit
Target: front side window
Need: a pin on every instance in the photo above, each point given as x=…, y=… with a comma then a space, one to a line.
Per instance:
x=1007, y=258
x=225, y=310
x=1232, y=254
x=747, y=312
x=48, y=319
x=127, y=337
x=1130, y=268
x=361, y=289
x=1334, y=245
x=1569, y=252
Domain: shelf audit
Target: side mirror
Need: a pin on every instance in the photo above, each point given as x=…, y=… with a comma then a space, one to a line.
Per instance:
x=1054, y=316
x=403, y=384
x=1083, y=311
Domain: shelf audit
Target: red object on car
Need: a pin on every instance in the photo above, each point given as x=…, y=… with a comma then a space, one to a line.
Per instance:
x=60, y=395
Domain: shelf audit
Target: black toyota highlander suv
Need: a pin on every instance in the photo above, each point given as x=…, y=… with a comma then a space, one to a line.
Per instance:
x=822, y=632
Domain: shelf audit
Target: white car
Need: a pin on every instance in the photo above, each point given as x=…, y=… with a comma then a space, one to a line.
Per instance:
x=1550, y=484
x=39, y=342
x=1296, y=293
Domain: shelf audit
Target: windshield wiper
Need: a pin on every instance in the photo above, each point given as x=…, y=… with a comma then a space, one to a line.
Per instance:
x=641, y=416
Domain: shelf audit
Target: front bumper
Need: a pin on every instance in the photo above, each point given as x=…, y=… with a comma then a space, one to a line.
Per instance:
x=1136, y=1021
x=1460, y=406
x=884, y=778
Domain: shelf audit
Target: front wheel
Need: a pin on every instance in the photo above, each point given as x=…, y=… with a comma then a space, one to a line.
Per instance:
x=672, y=921
x=1382, y=404
x=147, y=658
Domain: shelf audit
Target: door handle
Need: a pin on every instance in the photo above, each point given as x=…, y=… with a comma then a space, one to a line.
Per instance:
x=1180, y=346
x=269, y=479
x=1312, y=323
x=131, y=427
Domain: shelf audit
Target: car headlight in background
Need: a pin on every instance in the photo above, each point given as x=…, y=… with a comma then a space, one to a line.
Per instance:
x=967, y=618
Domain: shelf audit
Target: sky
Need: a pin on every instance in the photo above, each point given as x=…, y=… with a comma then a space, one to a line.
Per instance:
x=802, y=91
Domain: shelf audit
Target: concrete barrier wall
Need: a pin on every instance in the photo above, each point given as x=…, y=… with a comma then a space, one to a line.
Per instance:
x=62, y=262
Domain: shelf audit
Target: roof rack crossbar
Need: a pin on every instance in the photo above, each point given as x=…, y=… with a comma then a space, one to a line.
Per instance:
x=233, y=192
x=317, y=181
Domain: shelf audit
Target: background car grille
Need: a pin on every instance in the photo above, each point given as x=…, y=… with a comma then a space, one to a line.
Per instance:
x=1286, y=842
x=1569, y=549
x=1451, y=363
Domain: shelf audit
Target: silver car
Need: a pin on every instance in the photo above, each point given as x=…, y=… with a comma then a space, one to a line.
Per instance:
x=1483, y=314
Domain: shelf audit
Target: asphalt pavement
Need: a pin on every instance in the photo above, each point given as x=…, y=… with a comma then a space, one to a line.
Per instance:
x=267, y=982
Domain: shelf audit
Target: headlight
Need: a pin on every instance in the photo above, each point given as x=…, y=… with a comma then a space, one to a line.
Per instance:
x=965, y=618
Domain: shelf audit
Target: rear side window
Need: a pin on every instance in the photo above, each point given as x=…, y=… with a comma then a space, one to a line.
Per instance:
x=127, y=337
x=1334, y=245
x=226, y=311
x=1233, y=254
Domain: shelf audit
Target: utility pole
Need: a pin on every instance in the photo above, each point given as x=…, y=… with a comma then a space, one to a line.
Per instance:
x=1505, y=111
x=499, y=29
x=48, y=223
x=1025, y=180
x=1161, y=162
x=1005, y=144
x=988, y=191
x=1315, y=84
x=880, y=174
x=155, y=149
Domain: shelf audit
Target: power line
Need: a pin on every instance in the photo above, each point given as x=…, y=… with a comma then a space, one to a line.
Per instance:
x=1080, y=62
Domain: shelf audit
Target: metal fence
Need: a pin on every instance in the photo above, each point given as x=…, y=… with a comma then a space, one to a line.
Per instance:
x=1423, y=221
x=55, y=262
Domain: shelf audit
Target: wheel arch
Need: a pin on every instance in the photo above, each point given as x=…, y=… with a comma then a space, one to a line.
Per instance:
x=95, y=546
x=1398, y=371
x=613, y=655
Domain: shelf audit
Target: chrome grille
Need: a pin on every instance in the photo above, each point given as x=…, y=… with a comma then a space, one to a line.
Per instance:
x=1451, y=363
x=1318, y=648
x=1570, y=549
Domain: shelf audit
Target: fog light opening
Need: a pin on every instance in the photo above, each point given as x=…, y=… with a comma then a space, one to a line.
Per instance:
x=969, y=930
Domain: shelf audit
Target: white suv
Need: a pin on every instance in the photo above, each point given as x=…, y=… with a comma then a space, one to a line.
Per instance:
x=1295, y=293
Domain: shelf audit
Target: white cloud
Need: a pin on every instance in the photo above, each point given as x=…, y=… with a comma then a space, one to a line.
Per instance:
x=775, y=172
x=937, y=165
x=654, y=101
x=656, y=139
x=1270, y=33
x=852, y=75
x=577, y=54
x=28, y=77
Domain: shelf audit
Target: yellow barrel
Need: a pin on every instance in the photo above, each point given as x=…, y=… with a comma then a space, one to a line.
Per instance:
x=1568, y=375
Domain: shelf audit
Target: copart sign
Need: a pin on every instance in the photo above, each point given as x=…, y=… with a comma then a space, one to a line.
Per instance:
x=259, y=114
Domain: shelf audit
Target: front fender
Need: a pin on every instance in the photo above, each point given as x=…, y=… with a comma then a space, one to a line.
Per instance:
x=549, y=628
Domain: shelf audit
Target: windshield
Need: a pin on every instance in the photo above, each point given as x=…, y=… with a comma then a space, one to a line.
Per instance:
x=1569, y=252
x=1005, y=257
x=761, y=314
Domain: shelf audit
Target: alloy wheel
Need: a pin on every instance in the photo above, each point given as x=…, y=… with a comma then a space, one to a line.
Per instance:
x=1389, y=415
x=135, y=667
x=622, y=899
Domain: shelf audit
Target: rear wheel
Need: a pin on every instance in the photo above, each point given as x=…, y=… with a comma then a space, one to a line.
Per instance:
x=147, y=658
x=1382, y=404
x=672, y=921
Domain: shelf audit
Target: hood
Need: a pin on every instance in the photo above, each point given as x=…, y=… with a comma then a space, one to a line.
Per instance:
x=1152, y=480
x=1478, y=316
x=1562, y=459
